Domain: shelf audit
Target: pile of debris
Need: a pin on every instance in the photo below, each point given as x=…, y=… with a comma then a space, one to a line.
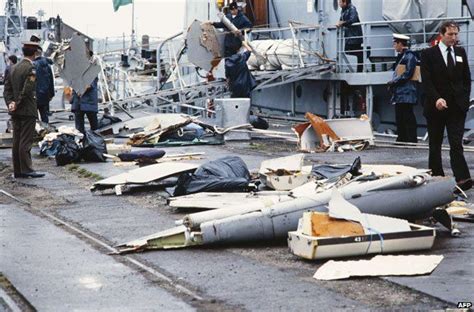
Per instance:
x=68, y=146
x=324, y=211
x=348, y=134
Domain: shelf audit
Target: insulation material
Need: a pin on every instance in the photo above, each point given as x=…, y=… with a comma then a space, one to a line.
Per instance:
x=285, y=173
x=320, y=224
x=334, y=134
x=378, y=266
x=415, y=9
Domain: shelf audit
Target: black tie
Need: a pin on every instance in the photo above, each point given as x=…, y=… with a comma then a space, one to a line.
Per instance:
x=451, y=65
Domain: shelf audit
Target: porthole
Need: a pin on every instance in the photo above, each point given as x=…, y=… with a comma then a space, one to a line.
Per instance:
x=299, y=91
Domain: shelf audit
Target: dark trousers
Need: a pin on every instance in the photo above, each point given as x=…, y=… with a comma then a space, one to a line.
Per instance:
x=79, y=120
x=357, y=51
x=42, y=103
x=406, y=122
x=44, y=110
x=453, y=120
x=23, y=135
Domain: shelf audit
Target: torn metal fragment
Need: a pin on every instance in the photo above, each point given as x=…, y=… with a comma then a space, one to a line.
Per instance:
x=378, y=266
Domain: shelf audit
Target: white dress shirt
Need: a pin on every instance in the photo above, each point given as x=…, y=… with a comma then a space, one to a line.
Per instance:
x=444, y=52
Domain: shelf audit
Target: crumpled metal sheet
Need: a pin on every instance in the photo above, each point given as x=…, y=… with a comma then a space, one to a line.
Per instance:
x=205, y=45
x=415, y=9
x=78, y=71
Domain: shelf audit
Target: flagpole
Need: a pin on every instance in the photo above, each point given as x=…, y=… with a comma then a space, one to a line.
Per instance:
x=133, y=42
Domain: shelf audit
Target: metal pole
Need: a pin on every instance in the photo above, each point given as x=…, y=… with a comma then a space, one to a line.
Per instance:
x=369, y=97
x=132, y=43
x=158, y=59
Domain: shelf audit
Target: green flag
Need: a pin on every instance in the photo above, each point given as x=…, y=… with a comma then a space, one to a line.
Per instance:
x=119, y=3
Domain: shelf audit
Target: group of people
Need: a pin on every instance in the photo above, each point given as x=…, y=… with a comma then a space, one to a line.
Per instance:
x=29, y=88
x=446, y=86
x=445, y=77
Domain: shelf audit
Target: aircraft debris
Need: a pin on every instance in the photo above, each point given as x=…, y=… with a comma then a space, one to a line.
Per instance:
x=144, y=175
x=320, y=135
x=402, y=196
x=285, y=173
x=378, y=266
x=345, y=231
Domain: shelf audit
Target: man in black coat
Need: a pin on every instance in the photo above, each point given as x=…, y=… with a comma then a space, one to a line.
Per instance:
x=240, y=80
x=446, y=80
x=352, y=33
x=240, y=21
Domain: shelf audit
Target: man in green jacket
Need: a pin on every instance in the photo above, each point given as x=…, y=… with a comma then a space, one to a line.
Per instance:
x=19, y=94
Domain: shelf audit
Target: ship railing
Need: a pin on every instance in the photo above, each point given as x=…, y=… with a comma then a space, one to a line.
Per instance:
x=377, y=51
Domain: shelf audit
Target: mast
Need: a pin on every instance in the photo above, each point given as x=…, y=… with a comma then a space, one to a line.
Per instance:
x=133, y=43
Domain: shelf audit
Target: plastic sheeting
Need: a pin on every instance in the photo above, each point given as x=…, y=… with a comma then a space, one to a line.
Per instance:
x=226, y=174
x=94, y=147
x=334, y=171
x=68, y=151
x=415, y=9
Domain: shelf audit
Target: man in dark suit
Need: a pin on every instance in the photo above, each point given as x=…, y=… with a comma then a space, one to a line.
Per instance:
x=446, y=80
x=19, y=94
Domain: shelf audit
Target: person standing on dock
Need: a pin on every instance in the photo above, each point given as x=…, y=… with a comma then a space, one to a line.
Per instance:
x=19, y=94
x=240, y=80
x=446, y=80
x=86, y=104
x=44, y=80
x=12, y=60
x=404, y=88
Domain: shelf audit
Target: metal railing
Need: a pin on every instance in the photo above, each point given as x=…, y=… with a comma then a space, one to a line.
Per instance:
x=370, y=49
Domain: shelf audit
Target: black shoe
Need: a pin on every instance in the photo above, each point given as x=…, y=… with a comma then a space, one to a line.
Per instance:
x=465, y=184
x=32, y=174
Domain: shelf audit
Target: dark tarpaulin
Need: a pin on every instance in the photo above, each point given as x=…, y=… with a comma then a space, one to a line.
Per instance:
x=94, y=147
x=144, y=154
x=335, y=171
x=227, y=174
x=68, y=150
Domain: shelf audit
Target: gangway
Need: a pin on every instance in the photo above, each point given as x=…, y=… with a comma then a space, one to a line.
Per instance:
x=193, y=97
